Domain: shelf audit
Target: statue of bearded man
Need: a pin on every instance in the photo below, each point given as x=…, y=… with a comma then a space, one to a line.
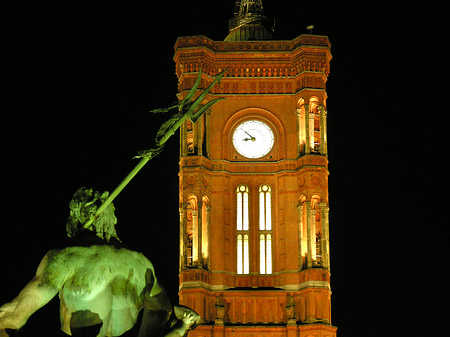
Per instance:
x=102, y=286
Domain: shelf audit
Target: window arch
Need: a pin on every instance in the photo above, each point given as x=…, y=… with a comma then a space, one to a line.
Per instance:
x=265, y=229
x=242, y=220
x=313, y=241
x=314, y=126
x=265, y=208
x=242, y=229
x=311, y=121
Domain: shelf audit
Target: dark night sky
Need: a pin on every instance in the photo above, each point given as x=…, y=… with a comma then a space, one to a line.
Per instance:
x=78, y=82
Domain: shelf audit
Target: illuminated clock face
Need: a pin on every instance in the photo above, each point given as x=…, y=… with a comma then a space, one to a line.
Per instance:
x=253, y=139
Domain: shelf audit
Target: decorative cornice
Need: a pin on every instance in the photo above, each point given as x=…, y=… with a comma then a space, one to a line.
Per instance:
x=252, y=167
x=306, y=285
x=268, y=66
x=289, y=280
x=260, y=85
x=317, y=41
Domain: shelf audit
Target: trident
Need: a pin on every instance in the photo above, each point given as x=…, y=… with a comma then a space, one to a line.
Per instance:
x=186, y=109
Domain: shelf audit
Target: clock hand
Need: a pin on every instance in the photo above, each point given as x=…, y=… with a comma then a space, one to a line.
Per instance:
x=251, y=137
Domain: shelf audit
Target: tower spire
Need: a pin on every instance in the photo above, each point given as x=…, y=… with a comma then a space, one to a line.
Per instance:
x=246, y=12
x=248, y=22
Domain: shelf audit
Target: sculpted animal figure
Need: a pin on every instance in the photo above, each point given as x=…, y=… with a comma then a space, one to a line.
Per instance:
x=102, y=286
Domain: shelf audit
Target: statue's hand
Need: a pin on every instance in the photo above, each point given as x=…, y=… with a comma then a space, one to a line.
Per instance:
x=190, y=318
x=187, y=319
x=187, y=316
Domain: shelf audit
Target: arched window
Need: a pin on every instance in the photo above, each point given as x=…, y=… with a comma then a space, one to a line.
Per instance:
x=265, y=229
x=206, y=210
x=265, y=208
x=191, y=231
x=314, y=125
x=313, y=246
x=301, y=125
x=242, y=229
x=311, y=126
x=190, y=136
x=242, y=208
x=317, y=253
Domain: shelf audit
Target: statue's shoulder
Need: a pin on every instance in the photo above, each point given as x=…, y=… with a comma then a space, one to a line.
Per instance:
x=127, y=255
x=100, y=253
x=53, y=263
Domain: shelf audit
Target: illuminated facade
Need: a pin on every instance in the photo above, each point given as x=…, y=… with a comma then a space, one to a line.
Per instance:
x=254, y=241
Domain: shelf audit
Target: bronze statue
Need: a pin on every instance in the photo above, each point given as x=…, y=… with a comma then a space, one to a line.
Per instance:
x=103, y=286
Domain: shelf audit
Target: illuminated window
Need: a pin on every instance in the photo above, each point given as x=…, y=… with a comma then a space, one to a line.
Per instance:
x=190, y=136
x=262, y=254
x=265, y=208
x=246, y=255
x=189, y=250
x=265, y=229
x=191, y=231
x=265, y=254
x=205, y=229
x=317, y=229
x=242, y=208
x=242, y=227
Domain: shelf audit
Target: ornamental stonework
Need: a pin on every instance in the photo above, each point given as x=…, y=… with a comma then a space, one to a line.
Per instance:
x=191, y=180
x=315, y=180
x=269, y=67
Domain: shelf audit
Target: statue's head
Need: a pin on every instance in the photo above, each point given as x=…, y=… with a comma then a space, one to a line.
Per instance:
x=83, y=206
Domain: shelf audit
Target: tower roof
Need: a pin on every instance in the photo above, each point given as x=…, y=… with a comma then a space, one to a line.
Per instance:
x=248, y=22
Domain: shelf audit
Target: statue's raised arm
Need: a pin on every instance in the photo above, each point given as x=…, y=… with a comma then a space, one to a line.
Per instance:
x=104, y=288
x=184, y=110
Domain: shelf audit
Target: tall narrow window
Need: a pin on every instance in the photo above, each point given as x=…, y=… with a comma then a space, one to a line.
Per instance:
x=317, y=229
x=262, y=254
x=243, y=254
x=191, y=231
x=242, y=228
x=246, y=255
x=269, y=253
x=265, y=229
x=239, y=255
x=190, y=136
x=206, y=209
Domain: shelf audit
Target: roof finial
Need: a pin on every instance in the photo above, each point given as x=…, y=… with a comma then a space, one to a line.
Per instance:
x=249, y=22
x=310, y=28
x=247, y=12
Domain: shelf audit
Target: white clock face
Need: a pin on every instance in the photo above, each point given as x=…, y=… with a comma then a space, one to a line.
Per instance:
x=253, y=139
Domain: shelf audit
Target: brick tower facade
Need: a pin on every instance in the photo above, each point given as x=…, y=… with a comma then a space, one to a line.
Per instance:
x=254, y=242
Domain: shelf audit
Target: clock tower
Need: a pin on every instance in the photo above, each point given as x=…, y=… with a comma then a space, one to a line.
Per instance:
x=254, y=229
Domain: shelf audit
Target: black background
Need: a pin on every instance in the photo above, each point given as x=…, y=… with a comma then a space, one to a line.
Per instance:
x=79, y=79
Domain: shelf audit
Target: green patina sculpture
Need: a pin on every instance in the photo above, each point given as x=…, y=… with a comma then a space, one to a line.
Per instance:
x=83, y=207
x=102, y=286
